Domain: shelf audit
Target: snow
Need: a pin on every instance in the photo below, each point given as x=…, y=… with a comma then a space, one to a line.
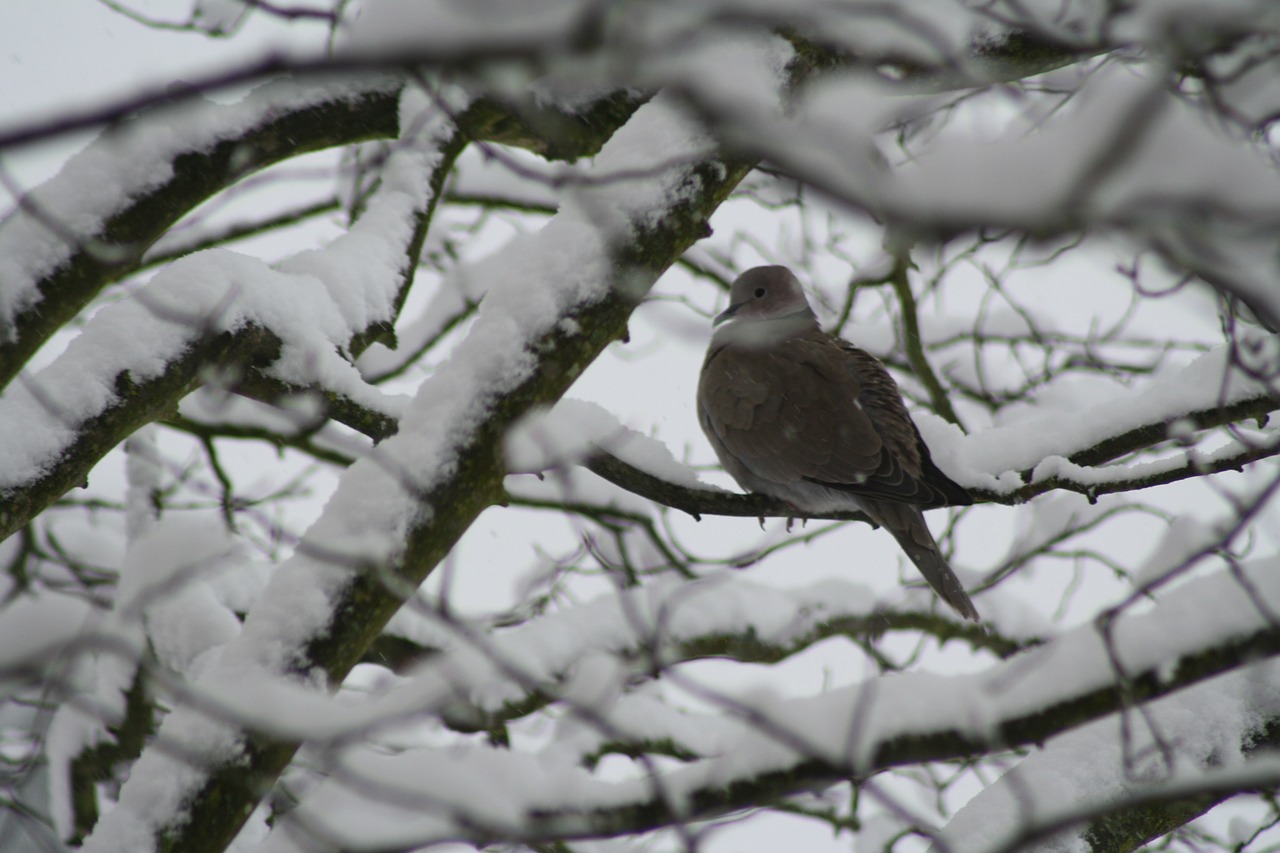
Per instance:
x=536, y=282
x=417, y=803
x=126, y=162
x=169, y=583
x=577, y=653
x=1124, y=152
x=167, y=601
x=1041, y=441
x=210, y=292
x=361, y=526
x=314, y=303
x=574, y=429
x=363, y=270
x=452, y=27
x=743, y=72
x=631, y=188
x=1099, y=765
x=586, y=657
x=1124, y=146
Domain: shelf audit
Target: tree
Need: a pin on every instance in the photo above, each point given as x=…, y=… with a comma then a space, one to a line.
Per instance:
x=196, y=655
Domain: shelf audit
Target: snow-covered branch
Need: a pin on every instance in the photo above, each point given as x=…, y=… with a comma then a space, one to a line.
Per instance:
x=364, y=557
x=63, y=243
x=475, y=621
x=746, y=751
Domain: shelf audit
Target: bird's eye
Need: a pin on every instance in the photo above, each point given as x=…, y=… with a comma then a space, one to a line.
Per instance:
x=759, y=292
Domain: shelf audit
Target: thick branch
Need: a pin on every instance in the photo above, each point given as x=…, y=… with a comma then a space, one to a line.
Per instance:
x=200, y=173
x=197, y=175
x=919, y=747
x=226, y=797
x=246, y=353
x=1132, y=821
x=97, y=763
x=1131, y=824
x=136, y=404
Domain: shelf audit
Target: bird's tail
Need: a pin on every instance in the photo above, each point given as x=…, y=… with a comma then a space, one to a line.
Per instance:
x=907, y=525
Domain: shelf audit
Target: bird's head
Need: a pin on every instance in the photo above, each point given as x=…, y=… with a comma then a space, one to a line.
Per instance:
x=765, y=294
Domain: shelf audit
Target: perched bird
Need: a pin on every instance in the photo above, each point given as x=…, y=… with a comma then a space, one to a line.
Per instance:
x=801, y=415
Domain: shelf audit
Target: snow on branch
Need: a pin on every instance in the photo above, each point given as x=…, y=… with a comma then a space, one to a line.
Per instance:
x=294, y=322
x=560, y=296
x=1015, y=462
x=552, y=300
x=1216, y=388
x=94, y=221
x=1201, y=741
x=282, y=329
x=1124, y=152
x=478, y=679
x=999, y=465
x=137, y=358
x=750, y=747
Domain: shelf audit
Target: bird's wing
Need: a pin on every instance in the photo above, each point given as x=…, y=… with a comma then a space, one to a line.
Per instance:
x=808, y=410
x=881, y=399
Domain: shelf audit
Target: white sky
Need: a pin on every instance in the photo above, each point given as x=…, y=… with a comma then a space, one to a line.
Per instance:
x=59, y=56
x=648, y=384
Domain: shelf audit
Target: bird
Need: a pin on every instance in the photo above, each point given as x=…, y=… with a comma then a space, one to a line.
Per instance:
x=802, y=415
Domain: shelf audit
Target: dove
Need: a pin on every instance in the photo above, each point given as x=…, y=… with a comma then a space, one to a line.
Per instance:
x=801, y=415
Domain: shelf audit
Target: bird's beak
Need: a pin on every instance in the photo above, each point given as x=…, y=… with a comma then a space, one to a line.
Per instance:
x=726, y=314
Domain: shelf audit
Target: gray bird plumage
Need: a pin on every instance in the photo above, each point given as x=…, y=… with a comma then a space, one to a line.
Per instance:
x=804, y=416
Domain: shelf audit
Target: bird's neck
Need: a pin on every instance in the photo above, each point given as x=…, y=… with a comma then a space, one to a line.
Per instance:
x=765, y=332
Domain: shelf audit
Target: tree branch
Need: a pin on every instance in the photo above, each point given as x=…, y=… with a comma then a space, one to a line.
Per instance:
x=245, y=352
x=699, y=502
x=196, y=175
x=136, y=404
x=219, y=804
x=1149, y=813
x=744, y=646
x=912, y=344
x=720, y=782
